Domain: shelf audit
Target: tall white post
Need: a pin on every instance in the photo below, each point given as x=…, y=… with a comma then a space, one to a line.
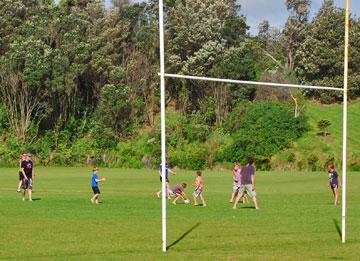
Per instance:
x=162, y=100
x=346, y=61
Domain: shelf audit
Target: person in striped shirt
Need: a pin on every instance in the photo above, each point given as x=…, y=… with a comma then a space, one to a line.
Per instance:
x=198, y=189
x=237, y=183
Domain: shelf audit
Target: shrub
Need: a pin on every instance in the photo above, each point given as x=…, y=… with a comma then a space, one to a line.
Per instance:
x=265, y=129
x=323, y=125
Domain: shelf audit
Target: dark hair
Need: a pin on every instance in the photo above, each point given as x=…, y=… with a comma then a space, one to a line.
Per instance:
x=198, y=173
x=250, y=160
x=184, y=185
x=331, y=166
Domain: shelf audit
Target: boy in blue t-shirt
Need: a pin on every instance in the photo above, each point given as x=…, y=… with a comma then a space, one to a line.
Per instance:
x=167, y=170
x=94, y=184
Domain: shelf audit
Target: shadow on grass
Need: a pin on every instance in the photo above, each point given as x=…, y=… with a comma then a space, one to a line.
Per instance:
x=251, y=207
x=182, y=236
x=337, y=226
x=35, y=199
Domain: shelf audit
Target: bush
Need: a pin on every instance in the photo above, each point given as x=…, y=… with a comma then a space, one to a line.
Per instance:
x=265, y=129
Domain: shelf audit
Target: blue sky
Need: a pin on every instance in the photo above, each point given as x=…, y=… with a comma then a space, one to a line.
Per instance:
x=274, y=11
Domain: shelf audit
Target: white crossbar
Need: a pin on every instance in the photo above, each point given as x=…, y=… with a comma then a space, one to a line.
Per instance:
x=190, y=77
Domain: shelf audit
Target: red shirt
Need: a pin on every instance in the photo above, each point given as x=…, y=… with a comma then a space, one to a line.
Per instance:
x=199, y=183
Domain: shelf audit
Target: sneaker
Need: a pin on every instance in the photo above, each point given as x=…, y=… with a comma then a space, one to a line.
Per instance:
x=92, y=201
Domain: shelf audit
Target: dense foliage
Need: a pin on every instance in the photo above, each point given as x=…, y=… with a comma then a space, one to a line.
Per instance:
x=79, y=83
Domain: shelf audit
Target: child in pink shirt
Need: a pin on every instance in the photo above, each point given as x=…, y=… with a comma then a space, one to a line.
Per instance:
x=236, y=183
x=198, y=190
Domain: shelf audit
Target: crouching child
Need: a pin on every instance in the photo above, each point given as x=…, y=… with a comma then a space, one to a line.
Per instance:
x=178, y=192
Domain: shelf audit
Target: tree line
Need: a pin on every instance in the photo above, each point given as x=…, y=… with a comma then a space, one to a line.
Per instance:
x=79, y=82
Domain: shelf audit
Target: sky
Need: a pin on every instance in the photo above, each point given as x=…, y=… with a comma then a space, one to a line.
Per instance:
x=274, y=11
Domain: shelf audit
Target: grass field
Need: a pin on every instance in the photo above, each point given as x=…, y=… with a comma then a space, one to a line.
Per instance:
x=297, y=220
x=322, y=147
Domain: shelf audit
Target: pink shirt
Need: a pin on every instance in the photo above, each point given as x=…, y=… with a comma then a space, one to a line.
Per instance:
x=199, y=183
x=237, y=176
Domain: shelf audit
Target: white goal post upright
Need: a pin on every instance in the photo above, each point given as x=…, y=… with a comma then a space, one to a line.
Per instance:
x=162, y=75
x=163, y=137
x=345, y=101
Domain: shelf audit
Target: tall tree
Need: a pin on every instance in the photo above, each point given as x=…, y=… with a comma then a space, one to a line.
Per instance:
x=295, y=28
x=320, y=58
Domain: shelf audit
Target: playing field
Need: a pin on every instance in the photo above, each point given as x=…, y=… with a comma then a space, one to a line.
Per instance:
x=297, y=220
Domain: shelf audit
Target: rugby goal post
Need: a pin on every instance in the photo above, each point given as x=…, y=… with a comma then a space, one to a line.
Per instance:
x=162, y=75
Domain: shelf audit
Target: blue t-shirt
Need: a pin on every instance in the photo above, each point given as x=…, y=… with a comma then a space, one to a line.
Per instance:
x=94, y=177
x=166, y=169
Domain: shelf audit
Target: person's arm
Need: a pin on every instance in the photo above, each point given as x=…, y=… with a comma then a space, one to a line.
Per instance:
x=100, y=180
x=33, y=174
x=23, y=172
x=172, y=172
x=253, y=181
x=184, y=195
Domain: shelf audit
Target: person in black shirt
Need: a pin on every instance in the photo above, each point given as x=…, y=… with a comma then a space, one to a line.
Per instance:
x=334, y=183
x=20, y=173
x=28, y=176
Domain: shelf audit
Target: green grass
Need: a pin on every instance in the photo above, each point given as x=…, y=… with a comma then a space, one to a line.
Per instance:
x=330, y=146
x=334, y=113
x=297, y=220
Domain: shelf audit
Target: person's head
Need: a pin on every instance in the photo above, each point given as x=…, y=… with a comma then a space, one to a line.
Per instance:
x=198, y=173
x=28, y=156
x=236, y=165
x=23, y=156
x=184, y=185
x=250, y=161
x=95, y=169
x=331, y=167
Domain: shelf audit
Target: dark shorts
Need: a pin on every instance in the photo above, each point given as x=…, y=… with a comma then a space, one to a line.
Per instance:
x=167, y=180
x=26, y=184
x=96, y=190
x=334, y=185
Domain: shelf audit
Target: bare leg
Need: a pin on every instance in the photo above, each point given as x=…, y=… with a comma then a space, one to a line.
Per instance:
x=30, y=194
x=177, y=198
x=233, y=196
x=336, y=197
x=23, y=194
x=195, y=201
x=203, y=201
x=94, y=198
x=245, y=199
x=19, y=186
x=236, y=201
x=255, y=203
x=167, y=190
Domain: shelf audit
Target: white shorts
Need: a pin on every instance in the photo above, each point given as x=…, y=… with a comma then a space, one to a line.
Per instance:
x=198, y=192
x=236, y=186
x=246, y=189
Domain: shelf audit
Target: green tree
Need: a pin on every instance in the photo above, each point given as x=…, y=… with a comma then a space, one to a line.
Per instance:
x=296, y=28
x=265, y=128
x=320, y=58
x=323, y=126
